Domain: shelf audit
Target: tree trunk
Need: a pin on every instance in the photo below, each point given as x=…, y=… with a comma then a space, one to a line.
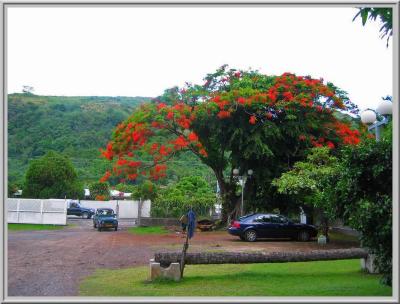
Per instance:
x=224, y=193
x=325, y=226
x=166, y=258
x=140, y=212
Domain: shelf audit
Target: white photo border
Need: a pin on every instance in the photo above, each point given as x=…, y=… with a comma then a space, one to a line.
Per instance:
x=3, y=147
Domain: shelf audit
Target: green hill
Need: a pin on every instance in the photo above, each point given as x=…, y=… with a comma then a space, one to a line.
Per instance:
x=76, y=127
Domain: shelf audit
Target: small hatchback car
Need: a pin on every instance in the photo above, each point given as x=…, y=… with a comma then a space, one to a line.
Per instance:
x=105, y=218
x=256, y=226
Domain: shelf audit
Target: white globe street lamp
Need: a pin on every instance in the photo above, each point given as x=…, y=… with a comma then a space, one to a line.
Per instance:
x=368, y=117
x=385, y=107
x=242, y=180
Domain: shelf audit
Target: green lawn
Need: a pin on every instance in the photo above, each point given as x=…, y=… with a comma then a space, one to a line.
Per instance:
x=148, y=230
x=19, y=227
x=322, y=278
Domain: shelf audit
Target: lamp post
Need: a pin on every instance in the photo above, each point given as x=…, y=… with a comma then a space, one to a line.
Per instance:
x=369, y=117
x=242, y=181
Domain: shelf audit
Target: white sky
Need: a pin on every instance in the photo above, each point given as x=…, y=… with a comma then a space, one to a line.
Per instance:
x=132, y=51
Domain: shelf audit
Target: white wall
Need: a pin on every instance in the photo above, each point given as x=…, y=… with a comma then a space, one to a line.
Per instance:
x=54, y=211
x=127, y=209
x=37, y=211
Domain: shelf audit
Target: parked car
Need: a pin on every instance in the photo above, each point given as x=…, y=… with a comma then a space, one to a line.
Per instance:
x=105, y=218
x=75, y=208
x=256, y=226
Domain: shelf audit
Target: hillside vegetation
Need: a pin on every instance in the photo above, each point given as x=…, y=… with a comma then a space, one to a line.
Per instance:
x=76, y=127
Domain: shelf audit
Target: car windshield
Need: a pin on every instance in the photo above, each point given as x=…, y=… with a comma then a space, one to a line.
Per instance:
x=105, y=212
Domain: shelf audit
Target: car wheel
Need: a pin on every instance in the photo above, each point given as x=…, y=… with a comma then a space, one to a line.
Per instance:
x=250, y=235
x=99, y=228
x=85, y=215
x=303, y=236
x=94, y=225
x=116, y=228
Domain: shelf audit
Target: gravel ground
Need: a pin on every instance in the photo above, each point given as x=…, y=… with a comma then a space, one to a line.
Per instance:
x=52, y=263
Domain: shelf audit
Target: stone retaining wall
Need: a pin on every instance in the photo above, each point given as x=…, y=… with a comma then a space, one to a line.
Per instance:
x=160, y=222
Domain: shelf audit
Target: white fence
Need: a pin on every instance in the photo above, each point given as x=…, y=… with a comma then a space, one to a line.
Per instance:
x=37, y=211
x=54, y=211
x=126, y=209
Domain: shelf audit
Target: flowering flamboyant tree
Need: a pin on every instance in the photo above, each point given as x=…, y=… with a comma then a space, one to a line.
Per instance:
x=236, y=119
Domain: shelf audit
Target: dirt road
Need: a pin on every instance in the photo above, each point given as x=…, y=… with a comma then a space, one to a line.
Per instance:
x=51, y=263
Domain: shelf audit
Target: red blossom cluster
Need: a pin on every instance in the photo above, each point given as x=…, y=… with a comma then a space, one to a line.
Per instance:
x=105, y=177
x=287, y=94
x=158, y=171
x=349, y=137
x=137, y=133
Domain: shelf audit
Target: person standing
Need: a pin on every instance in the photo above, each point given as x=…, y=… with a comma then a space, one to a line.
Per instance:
x=184, y=222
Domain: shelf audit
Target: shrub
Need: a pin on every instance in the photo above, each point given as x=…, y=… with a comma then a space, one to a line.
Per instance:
x=362, y=195
x=52, y=176
x=99, y=191
x=190, y=192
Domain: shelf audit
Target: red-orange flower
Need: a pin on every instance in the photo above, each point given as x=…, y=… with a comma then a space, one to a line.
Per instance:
x=252, y=120
x=203, y=152
x=134, y=163
x=105, y=177
x=224, y=114
x=132, y=176
x=193, y=137
x=161, y=106
x=241, y=100
x=330, y=145
x=135, y=136
x=302, y=137
x=180, y=142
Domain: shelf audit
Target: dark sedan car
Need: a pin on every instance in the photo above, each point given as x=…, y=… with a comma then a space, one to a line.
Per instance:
x=105, y=218
x=255, y=226
x=75, y=208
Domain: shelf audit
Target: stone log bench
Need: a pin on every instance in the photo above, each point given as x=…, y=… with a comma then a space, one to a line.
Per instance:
x=167, y=264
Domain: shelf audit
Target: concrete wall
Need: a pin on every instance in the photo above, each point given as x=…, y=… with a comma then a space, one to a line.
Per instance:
x=160, y=222
x=36, y=211
x=127, y=209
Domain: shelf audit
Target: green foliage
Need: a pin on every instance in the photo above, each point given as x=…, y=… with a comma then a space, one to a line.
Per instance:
x=308, y=180
x=73, y=126
x=147, y=190
x=52, y=176
x=99, y=191
x=76, y=127
x=12, y=188
x=357, y=188
x=177, y=199
x=363, y=197
x=271, y=142
x=385, y=15
x=307, y=183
